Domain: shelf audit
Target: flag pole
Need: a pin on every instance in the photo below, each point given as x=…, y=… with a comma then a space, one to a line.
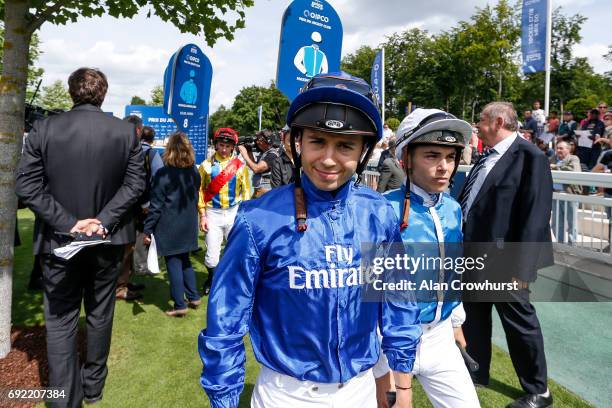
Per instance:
x=259, y=114
x=548, y=52
x=383, y=84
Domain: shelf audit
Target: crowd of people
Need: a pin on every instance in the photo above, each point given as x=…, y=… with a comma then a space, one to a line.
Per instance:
x=584, y=146
x=588, y=138
x=295, y=220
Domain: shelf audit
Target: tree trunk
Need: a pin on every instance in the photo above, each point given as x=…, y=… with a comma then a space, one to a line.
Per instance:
x=12, y=98
x=463, y=106
x=499, y=87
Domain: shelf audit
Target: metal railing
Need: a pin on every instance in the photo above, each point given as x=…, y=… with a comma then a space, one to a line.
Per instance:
x=581, y=223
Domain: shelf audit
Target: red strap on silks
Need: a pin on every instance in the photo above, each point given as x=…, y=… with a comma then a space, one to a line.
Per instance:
x=222, y=179
x=406, y=210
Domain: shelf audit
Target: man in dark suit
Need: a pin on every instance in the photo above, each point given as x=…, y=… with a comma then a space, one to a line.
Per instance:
x=81, y=171
x=506, y=200
x=391, y=172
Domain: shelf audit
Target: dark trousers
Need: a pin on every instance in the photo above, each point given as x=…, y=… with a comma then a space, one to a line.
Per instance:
x=89, y=277
x=524, y=337
x=182, y=280
x=588, y=155
x=126, y=269
x=584, y=154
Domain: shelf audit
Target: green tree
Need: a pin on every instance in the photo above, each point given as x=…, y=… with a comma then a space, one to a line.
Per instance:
x=221, y=118
x=21, y=20
x=157, y=96
x=360, y=62
x=34, y=73
x=393, y=123
x=566, y=71
x=137, y=100
x=56, y=96
x=579, y=106
x=608, y=56
x=485, y=50
x=406, y=59
x=244, y=117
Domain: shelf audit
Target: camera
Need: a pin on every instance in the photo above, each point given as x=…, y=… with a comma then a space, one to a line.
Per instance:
x=248, y=142
x=34, y=113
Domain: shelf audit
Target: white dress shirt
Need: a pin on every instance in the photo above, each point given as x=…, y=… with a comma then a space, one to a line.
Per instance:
x=500, y=148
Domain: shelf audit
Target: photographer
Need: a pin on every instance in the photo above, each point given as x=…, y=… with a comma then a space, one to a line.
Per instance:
x=263, y=165
x=282, y=169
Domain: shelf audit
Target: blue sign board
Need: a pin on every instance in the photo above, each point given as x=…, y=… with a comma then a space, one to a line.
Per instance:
x=310, y=44
x=187, y=83
x=164, y=126
x=376, y=76
x=533, y=37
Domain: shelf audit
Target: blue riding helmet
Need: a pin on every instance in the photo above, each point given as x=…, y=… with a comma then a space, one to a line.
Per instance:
x=338, y=103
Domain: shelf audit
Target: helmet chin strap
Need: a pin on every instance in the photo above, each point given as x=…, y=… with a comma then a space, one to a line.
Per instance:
x=298, y=191
x=406, y=208
x=365, y=157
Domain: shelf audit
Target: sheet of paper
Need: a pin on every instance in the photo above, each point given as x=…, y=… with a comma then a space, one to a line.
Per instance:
x=73, y=248
x=546, y=137
x=583, y=138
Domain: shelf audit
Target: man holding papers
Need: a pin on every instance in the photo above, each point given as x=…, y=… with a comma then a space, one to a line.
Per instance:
x=81, y=172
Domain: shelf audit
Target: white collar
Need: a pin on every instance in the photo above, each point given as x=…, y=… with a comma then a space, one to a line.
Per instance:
x=429, y=199
x=504, y=145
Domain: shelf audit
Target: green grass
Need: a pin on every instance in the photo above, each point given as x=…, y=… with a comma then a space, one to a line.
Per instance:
x=154, y=360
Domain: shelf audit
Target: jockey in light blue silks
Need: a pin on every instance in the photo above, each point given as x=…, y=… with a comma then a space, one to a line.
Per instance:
x=430, y=143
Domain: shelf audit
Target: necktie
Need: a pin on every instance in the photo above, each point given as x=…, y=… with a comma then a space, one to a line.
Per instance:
x=472, y=179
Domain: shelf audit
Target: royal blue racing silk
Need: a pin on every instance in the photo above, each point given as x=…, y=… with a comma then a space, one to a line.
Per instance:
x=434, y=230
x=299, y=294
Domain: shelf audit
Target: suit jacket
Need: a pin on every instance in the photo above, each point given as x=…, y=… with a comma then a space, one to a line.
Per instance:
x=383, y=156
x=513, y=206
x=570, y=163
x=81, y=164
x=391, y=175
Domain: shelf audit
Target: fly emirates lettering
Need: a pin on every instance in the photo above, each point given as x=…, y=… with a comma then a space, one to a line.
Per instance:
x=332, y=277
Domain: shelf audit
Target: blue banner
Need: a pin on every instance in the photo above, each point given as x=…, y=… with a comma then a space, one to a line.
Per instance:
x=533, y=38
x=164, y=126
x=376, y=76
x=310, y=44
x=187, y=83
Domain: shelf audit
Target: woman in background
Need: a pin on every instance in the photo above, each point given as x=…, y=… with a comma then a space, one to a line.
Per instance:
x=173, y=220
